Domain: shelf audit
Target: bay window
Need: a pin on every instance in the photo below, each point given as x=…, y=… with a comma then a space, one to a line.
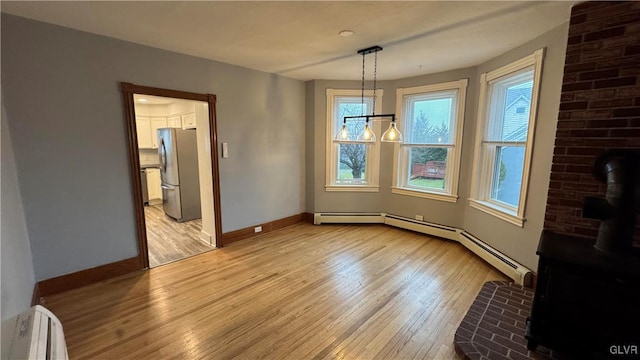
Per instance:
x=504, y=138
x=431, y=118
x=351, y=167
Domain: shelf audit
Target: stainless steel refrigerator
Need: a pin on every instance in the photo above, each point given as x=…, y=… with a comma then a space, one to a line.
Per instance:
x=178, y=153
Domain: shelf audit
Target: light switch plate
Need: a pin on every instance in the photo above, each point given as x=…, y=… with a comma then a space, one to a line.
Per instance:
x=225, y=150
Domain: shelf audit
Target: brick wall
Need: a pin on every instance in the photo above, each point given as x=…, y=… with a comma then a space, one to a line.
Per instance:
x=599, y=108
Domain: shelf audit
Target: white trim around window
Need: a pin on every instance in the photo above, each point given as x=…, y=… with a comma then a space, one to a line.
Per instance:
x=370, y=182
x=404, y=183
x=497, y=132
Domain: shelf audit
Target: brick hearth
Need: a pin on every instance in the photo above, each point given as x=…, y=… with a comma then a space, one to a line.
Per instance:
x=494, y=326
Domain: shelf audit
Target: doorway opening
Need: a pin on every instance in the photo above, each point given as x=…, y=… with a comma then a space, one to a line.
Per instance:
x=173, y=153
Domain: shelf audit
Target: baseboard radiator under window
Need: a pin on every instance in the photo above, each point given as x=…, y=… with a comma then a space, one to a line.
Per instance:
x=494, y=257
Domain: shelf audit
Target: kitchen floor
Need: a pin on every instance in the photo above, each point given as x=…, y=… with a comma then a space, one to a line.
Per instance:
x=169, y=240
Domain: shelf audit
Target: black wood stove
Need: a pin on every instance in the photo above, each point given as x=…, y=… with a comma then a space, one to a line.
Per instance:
x=587, y=299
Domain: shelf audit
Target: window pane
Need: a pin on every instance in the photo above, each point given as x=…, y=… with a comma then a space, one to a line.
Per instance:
x=352, y=163
x=351, y=107
x=431, y=118
x=510, y=107
x=427, y=167
x=507, y=174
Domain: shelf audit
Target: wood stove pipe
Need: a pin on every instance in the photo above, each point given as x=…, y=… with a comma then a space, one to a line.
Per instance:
x=619, y=169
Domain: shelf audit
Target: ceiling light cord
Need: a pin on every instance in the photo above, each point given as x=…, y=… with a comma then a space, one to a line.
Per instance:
x=362, y=88
x=375, y=75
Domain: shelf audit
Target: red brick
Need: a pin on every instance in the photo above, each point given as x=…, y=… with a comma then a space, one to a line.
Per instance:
x=599, y=74
x=616, y=62
x=559, y=150
x=564, y=202
x=602, y=54
x=558, y=167
x=565, y=177
x=576, y=105
x=593, y=188
x=588, y=6
x=612, y=10
x=578, y=19
x=632, y=143
x=592, y=114
x=579, y=67
x=567, y=97
x=610, y=103
x=572, y=59
x=586, y=27
x=564, y=124
x=630, y=39
x=632, y=50
x=570, y=159
x=555, y=185
x=570, y=78
x=589, y=132
x=633, y=71
x=569, y=141
x=629, y=132
x=580, y=169
x=604, y=142
x=625, y=81
x=609, y=123
x=577, y=39
x=637, y=101
x=586, y=85
x=632, y=111
x=584, y=151
x=622, y=19
x=628, y=92
x=595, y=94
x=564, y=115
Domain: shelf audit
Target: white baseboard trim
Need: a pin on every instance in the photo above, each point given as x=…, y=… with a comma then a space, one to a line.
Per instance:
x=206, y=238
x=511, y=268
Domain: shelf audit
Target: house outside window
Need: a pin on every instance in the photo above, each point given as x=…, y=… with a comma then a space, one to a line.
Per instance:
x=351, y=167
x=431, y=118
x=504, y=138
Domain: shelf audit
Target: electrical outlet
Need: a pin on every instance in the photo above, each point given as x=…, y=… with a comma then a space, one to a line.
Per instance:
x=257, y=229
x=419, y=217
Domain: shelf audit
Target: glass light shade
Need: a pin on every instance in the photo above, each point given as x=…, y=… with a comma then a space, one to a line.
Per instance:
x=367, y=135
x=392, y=134
x=343, y=134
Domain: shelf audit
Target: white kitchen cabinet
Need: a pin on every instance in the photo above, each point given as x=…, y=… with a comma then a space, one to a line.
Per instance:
x=189, y=121
x=174, y=122
x=156, y=123
x=143, y=128
x=154, y=186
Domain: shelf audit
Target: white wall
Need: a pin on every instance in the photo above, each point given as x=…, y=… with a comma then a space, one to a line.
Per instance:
x=17, y=265
x=66, y=116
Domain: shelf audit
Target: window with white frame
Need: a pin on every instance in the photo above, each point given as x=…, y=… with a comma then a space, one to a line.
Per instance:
x=351, y=167
x=504, y=138
x=431, y=118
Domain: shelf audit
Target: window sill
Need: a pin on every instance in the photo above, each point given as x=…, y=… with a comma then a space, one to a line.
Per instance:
x=353, y=188
x=498, y=212
x=425, y=194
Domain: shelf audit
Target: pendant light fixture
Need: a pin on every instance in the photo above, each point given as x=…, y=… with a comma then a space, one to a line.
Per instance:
x=367, y=136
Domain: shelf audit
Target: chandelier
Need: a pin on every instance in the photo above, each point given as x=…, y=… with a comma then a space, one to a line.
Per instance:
x=368, y=136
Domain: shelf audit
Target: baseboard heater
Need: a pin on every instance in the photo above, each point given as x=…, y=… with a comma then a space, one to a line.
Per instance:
x=494, y=257
x=348, y=218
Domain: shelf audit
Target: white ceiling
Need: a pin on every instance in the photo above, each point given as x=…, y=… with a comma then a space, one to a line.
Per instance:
x=300, y=39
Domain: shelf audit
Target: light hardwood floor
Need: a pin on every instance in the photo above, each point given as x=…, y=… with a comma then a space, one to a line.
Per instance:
x=169, y=240
x=303, y=292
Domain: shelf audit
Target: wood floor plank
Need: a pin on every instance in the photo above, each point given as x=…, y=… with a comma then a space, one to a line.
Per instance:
x=169, y=240
x=302, y=292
